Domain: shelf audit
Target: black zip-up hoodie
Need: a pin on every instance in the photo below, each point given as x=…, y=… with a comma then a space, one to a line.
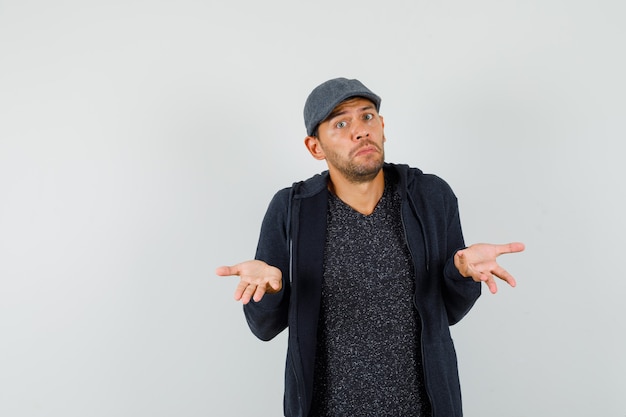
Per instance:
x=292, y=239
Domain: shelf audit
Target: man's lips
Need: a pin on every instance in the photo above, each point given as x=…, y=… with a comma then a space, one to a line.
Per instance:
x=367, y=149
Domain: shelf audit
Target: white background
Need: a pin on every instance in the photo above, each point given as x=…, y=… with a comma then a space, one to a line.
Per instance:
x=141, y=141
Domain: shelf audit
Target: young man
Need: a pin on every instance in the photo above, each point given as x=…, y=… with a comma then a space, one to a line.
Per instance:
x=366, y=265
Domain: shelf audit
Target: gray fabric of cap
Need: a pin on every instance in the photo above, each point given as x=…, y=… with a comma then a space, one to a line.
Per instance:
x=326, y=96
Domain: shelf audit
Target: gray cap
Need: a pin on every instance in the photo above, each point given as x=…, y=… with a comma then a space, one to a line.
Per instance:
x=326, y=96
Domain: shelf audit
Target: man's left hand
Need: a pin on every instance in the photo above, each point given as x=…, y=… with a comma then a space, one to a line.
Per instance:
x=478, y=262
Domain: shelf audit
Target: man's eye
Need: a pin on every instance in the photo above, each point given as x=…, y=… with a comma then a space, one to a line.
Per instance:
x=368, y=116
x=341, y=125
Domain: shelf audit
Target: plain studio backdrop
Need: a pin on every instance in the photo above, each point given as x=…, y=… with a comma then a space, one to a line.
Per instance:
x=140, y=143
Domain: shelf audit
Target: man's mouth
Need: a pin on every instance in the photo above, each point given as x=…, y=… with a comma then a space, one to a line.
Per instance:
x=366, y=149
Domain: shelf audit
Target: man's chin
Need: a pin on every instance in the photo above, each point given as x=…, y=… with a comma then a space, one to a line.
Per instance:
x=364, y=174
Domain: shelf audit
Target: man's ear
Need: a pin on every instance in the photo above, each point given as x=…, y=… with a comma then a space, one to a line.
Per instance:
x=312, y=143
x=382, y=122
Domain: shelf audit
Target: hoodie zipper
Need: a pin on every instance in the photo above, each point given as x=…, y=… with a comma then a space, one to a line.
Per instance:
x=295, y=356
x=427, y=255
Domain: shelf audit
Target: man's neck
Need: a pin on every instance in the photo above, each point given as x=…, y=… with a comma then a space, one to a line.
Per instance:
x=362, y=197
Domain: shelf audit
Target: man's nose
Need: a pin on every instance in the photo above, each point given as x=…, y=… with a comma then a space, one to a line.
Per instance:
x=361, y=131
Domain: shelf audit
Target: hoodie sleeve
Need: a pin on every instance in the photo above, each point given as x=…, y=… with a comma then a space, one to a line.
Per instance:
x=268, y=317
x=459, y=293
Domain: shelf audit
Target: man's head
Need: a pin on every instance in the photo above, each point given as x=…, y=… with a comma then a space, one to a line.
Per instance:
x=346, y=130
x=325, y=97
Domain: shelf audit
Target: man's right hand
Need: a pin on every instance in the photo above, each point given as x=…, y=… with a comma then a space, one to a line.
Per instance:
x=256, y=278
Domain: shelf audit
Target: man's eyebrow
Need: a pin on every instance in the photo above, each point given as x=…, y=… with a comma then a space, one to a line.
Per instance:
x=335, y=113
x=339, y=111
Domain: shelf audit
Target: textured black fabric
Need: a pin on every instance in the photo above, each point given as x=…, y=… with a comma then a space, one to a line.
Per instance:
x=368, y=360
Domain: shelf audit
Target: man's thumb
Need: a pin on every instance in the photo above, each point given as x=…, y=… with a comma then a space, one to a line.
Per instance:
x=224, y=271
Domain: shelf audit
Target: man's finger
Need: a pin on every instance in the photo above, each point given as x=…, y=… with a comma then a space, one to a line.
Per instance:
x=240, y=290
x=259, y=293
x=461, y=256
x=504, y=275
x=248, y=293
x=491, y=284
x=512, y=247
x=275, y=286
x=225, y=271
x=463, y=267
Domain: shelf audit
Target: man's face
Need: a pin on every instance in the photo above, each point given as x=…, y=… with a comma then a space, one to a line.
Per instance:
x=351, y=140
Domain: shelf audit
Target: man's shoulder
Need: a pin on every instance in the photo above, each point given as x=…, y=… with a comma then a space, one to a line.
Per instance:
x=417, y=180
x=309, y=187
x=304, y=188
